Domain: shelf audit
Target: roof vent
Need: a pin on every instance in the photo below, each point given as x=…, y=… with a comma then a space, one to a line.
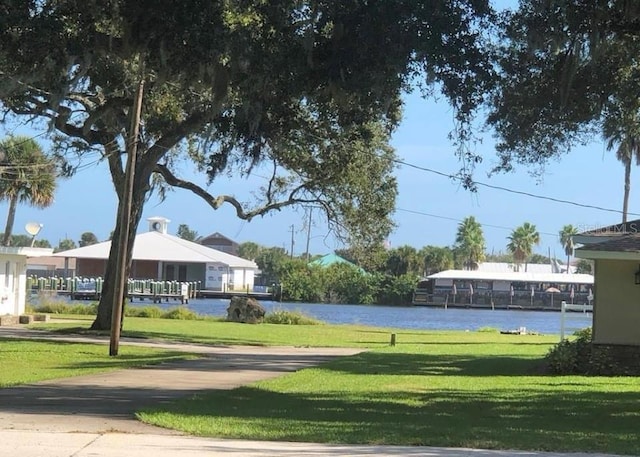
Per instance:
x=158, y=224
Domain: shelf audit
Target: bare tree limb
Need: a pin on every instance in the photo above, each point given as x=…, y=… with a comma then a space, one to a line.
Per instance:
x=217, y=202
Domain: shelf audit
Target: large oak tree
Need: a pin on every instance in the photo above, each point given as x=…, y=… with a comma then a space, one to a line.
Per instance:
x=307, y=89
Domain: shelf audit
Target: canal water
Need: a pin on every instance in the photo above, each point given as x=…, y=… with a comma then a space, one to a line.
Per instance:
x=412, y=317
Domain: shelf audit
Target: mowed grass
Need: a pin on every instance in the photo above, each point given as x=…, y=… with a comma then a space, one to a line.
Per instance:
x=230, y=333
x=27, y=361
x=452, y=389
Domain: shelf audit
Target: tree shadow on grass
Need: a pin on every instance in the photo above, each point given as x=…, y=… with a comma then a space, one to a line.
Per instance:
x=399, y=363
x=499, y=418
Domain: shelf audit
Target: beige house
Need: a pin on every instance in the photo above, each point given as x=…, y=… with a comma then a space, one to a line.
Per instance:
x=13, y=277
x=615, y=251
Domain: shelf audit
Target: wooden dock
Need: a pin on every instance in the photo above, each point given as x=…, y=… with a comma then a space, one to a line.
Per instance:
x=204, y=293
x=142, y=290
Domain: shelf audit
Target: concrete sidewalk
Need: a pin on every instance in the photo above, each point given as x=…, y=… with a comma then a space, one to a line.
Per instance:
x=89, y=416
x=48, y=444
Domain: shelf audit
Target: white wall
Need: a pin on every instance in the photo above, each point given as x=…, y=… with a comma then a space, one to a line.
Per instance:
x=243, y=278
x=13, y=284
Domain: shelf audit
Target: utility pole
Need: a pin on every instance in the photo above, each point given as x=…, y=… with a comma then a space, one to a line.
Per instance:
x=124, y=222
x=291, y=229
x=309, y=232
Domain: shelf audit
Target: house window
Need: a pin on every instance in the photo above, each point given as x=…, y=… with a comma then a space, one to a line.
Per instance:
x=7, y=271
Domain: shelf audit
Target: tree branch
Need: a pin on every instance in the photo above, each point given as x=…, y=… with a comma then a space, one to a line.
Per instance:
x=217, y=202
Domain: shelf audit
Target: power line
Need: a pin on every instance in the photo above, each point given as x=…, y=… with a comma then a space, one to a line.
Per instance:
x=513, y=191
x=437, y=216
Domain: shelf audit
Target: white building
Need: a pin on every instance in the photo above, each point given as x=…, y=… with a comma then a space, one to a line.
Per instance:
x=13, y=277
x=161, y=256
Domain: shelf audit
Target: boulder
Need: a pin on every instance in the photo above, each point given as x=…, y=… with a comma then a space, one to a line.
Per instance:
x=246, y=310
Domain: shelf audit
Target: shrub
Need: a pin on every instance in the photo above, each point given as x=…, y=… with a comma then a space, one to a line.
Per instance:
x=180, y=314
x=59, y=307
x=571, y=357
x=290, y=318
x=145, y=311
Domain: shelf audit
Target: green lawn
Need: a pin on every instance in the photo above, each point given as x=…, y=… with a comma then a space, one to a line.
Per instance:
x=229, y=333
x=443, y=389
x=25, y=361
x=437, y=388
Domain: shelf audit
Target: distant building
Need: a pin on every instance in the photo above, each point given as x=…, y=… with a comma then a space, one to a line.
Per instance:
x=161, y=256
x=496, y=284
x=49, y=266
x=219, y=242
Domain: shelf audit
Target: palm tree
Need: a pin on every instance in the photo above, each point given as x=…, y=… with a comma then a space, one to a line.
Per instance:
x=623, y=129
x=566, y=240
x=470, y=244
x=27, y=176
x=436, y=259
x=521, y=242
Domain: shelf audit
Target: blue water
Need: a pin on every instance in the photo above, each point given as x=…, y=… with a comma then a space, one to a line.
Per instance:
x=413, y=317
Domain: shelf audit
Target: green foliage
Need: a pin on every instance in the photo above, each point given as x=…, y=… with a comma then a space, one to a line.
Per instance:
x=469, y=247
x=25, y=241
x=281, y=316
x=568, y=70
x=344, y=283
x=570, y=357
x=396, y=290
x=180, y=313
x=65, y=245
x=521, y=242
x=60, y=307
x=302, y=282
x=249, y=250
x=28, y=176
x=581, y=356
x=271, y=261
x=144, y=311
x=584, y=266
x=403, y=260
x=87, y=239
x=435, y=259
x=186, y=233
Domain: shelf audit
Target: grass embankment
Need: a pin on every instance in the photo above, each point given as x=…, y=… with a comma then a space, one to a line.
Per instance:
x=26, y=361
x=450, y=389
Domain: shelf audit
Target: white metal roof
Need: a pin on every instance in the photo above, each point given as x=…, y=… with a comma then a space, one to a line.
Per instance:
x=162, y=247
x=506, y=267
x=471, y=275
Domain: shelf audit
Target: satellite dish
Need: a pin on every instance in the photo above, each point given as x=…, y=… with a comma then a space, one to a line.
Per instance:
x=33, y=228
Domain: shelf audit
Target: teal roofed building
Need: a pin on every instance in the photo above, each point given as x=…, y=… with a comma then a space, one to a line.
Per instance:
x=331, y=259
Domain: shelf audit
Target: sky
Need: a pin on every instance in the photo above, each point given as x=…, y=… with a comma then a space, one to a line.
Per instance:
x=428, y=210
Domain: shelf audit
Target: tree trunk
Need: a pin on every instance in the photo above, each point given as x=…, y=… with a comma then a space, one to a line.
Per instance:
x=627, y=188
x=13, y=204
x=105, y=306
